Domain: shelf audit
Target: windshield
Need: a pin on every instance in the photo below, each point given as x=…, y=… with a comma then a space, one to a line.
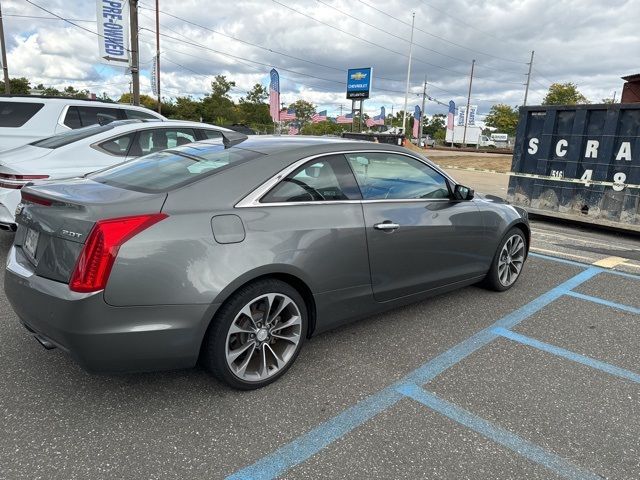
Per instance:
x=169, y=169
x=62, y=139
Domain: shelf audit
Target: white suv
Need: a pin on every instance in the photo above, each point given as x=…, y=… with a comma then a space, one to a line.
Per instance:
x=27, y=118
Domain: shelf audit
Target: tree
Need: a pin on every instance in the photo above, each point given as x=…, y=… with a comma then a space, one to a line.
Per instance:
x=608, y=101
x=217, y=107
x=20, y=86
x=145, y=101
x=304, y=110
x=564, y=94
x=434, y=126
x=504, y=118
x=253, y=110
x=323, y=128
x=186, y=108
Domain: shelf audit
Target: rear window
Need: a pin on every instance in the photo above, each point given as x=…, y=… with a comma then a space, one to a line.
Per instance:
x=62, y=139
x=169, y=169
x=16, y=114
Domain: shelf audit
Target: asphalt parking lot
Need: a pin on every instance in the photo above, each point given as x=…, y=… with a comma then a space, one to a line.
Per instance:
x=542, y=381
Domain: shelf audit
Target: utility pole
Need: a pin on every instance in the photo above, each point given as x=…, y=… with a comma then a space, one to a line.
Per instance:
x=526, y=90
x=615, y=92
x=135, y=62
x=406, y=93
x=424, y=97
x=466, y=116
x=5, y=70
x=158, y=54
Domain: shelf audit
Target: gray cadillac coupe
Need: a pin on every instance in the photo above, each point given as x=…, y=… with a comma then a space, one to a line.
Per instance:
x=235, y=252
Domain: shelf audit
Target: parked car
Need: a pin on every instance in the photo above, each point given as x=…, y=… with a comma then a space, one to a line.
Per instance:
x=27, y=118
x=234, y=255
x=427, y=141
x=78, y=152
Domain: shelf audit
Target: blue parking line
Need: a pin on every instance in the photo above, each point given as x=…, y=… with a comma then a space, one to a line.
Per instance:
x=584, y=265
x=499, y=435
x=569, y=355
x=307, y=445
x=602, y=301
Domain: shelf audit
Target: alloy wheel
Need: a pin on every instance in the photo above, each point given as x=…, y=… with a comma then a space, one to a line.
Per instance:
x=263, y=337
x=511, y=260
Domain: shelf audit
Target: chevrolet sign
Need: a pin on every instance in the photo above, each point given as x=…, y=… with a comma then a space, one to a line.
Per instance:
x=358, y=83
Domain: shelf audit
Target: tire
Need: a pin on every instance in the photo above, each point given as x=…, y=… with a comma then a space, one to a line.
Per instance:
x=498, y=278
x=247, y=349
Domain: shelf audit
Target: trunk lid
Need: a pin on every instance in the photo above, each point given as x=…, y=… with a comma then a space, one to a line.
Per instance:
x=55, y=218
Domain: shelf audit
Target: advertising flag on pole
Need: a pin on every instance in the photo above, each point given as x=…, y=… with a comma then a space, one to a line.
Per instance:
x=451, y=114
x=416, y=121
x=379, y=119
x=154, y=77
x=274, y=95
x=286, y=115
x=113, y=32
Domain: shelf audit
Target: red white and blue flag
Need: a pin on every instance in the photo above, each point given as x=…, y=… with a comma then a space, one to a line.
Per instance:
x=293, y=130
x=274, y=95
x=348, y=118
x=286, y=115
x=416, y=121
x=451, y=115
x=319, y=117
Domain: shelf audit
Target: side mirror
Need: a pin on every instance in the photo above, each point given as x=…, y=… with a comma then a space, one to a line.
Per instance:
x=460, y=192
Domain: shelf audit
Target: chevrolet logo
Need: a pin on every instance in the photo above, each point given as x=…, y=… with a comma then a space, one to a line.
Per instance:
x=358, y=76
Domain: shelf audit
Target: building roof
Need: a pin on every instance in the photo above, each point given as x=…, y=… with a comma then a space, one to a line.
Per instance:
x=632, y=78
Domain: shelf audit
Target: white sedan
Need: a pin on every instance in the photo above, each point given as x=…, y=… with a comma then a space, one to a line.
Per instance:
x=78, y=152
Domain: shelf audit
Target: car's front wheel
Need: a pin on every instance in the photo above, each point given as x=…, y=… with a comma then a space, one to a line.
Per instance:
x=256, y=335
x=508, y=261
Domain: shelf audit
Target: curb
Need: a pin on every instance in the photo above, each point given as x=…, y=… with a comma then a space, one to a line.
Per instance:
x=471, y=169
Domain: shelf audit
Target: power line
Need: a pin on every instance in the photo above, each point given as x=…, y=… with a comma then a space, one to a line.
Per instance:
x=342, y=12
x=42, y=17
x=386, y=48
x=442, y=38
x=64, y=19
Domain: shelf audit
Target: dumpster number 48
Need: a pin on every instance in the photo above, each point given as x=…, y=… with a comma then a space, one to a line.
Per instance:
x=618, y=180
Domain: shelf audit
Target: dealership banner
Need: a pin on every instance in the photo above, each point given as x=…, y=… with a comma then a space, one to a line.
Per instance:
x=113, y=32
x=462, y=113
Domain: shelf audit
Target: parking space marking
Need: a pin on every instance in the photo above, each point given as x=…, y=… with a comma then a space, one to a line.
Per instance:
x=499, y=435
x=584, y=265
x=609, y=262
x=544, y=250
x=307, y=445
x=569, y=355
x=602, y=301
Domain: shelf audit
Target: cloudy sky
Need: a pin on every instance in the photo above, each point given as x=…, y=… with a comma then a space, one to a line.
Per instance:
x=313, y=42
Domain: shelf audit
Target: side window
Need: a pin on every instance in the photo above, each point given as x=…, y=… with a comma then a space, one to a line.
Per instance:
x=209, y=134
x=118, y=146
x=323, y=179
x=72, y=118
x=97, y=115
x=139, y=115
x=156, y=139
x=383, y=176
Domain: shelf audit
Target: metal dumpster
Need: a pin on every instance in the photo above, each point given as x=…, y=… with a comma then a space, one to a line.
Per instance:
x=579, y=162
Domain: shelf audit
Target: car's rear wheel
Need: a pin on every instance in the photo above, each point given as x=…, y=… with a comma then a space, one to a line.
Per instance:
x=256, y=335
x=508, y=261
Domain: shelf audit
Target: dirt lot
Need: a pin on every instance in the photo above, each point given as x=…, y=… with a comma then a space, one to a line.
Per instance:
x=483, y=161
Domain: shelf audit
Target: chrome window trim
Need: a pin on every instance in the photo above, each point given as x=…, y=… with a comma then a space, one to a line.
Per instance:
x=252, y=200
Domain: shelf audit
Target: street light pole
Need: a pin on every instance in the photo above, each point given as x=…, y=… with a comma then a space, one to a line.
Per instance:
x=5, y=70
x=406, y=93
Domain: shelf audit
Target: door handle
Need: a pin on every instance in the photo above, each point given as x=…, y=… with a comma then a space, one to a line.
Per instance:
x=387, y=226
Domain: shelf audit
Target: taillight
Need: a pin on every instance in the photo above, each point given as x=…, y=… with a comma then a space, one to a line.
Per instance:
x=28, y=197
x=16, y=182
x=101, y=248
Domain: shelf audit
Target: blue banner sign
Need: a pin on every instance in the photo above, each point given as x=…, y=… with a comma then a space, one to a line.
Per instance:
x=359, y=83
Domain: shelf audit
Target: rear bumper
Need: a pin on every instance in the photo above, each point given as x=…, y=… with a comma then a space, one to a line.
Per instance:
x=100, y=337
x=9, y=200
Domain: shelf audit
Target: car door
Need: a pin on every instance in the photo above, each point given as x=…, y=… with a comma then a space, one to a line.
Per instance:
x=313, y=220
x=419, y=237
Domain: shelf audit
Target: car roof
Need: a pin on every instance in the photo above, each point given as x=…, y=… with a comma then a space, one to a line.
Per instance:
x=71, y=101
x=273, y=144
x=138, y=124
